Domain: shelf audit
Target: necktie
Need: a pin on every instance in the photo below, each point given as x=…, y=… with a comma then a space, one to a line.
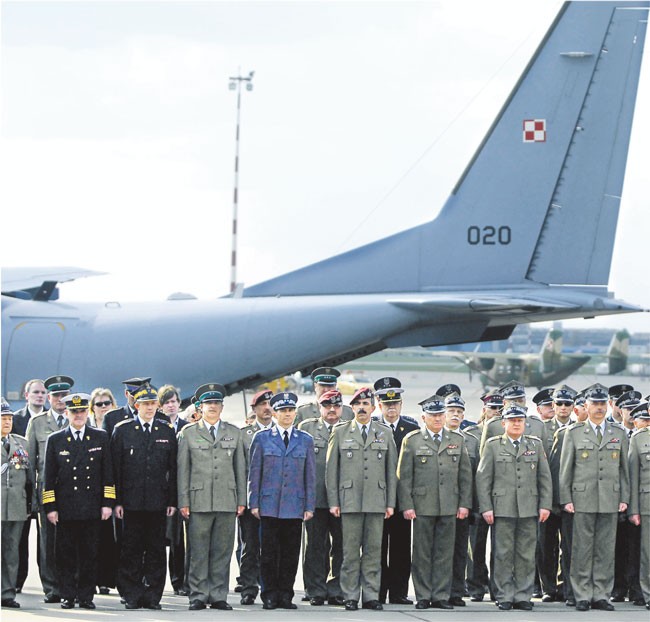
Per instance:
x=145, y=427
x=392, y=427
x=5, y=444
x=599, y=435
x=78, y=435
x=212, y=433
x=286, y=438
x=364, y=434
x=60, y=421
x=329, y=429
x=516, y=444
x=436, y=440
x=629, y=434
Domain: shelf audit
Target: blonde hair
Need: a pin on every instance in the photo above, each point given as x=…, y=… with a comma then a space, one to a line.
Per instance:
x=96, y=393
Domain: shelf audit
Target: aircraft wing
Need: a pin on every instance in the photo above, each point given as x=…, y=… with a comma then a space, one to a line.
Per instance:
x=29, y=278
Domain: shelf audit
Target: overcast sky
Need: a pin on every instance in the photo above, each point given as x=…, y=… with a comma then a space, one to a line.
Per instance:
x=118, y=133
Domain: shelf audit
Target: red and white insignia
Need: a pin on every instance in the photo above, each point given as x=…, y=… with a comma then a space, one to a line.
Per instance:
x=534, y=130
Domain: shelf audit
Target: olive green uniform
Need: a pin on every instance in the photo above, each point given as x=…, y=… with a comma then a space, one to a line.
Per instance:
x=361, y=479
x=639, y=459
x=515, y=484
x=311, y=410
x=494, y=427
x=212, y=483
x=434, y=481
x=595, y=478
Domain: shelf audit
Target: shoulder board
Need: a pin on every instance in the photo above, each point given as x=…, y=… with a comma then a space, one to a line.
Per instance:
x=43, y=414
x=410, y=419
x=493, y=439
x=533, y=437
x=457, y=433
x=307, y=405
x=576, y=425
x=640, y=431
x=412, y=433
x=383, y=425
x=471, y=428
x=341, y=423
x=112, y=410
x=616, y=424
x=124, y=423
x=18, y=436
x=310, y=420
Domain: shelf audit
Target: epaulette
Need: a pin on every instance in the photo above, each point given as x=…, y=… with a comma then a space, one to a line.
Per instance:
x=577, y=424
x=311, y=419
x=533, y=437
x=639, y=431
x=22, y=438
x=43, y=414
x=471, y=428
x=494, y=438
x=119, y=424
x=112, y=410
x=616, y=424
x=457, y=433
x=307, y=404
x=340, y=423
x=412, y=433
x=383, y=425
x=409, y=418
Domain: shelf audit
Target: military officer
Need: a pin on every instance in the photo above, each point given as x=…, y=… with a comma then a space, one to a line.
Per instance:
x=478, y=578
x=321, y=565
x=16, y=486
x=324, y=379
x=211, y=493
x=144, y=459
x=639, y=510
x=282, y=494
x=562, y=400
x=514, y=488
x=594, y=487
x=454, y=416
x=38, y=431
x=78, y=493
x=249, y=525
x=513, y=394
x=543, y=400
x=128, y=411
x=361, y=484
x=615, y=391
x=434, y=486
x=396, y=540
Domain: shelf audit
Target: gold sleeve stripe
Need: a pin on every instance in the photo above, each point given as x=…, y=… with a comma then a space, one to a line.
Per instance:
x=48, y=496
x=109, y=492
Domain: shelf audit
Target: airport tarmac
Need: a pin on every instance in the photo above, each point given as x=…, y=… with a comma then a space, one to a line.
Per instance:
x=418, y=385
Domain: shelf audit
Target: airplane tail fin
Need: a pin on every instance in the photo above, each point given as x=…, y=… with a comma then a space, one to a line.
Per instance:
x=538, y=202
x=617, y=352
x=551, y=351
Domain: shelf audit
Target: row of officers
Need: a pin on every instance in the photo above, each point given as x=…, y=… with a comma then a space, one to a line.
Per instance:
x=550, y=491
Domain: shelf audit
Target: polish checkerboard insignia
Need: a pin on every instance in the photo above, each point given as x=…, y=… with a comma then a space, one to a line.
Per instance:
x=534, y=131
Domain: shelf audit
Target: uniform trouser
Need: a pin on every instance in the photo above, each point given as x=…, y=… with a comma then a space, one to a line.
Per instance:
x=458, y=586
x=47, y=566
x=175, y=533
x=433, y=556
x=143, y=557
x=478, y=579
x=279, y=556
x=644, y=562
x=212, y=535
x=592, y=555
x=109, y=555
x=566, y=542
x=249, y=567
x=395, y=557
x=23, y=552
x=361, y=567
x=77, y=543
x=549, y=558
x=11, y=533
x=321, y=567
x=514, y=541
x=626, y=565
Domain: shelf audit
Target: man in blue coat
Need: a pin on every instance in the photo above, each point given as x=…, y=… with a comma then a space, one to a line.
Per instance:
x=282, y=494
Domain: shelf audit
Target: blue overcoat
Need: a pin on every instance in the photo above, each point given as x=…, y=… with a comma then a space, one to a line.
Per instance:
x=282, y=481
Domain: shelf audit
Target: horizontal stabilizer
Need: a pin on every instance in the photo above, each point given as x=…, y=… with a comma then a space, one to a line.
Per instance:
x=28, y=278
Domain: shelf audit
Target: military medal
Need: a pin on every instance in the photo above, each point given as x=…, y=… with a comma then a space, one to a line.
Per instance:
x=423, y=460
x=585, y=454
x=315, y=450
x=614, y=455
x=349, y=454
x=379, y=455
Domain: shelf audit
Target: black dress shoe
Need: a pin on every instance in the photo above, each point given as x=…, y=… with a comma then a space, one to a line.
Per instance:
x=67, y=603
x=422, y=604
x=52, y=598
x=537, y=594
x=400, y=600
x=523, y=605
x=351, y=605
x=287, y=604
x=477, y=598
x=375, y=605
x=247, y=599
x=336, y=600
x=87, y=604
x=570, y=602
x=440, y=604
x=10, y=603
x=131, y=605
x=582, y=605
x=239, y=588
x=305, y=598
x=549, y=598
x=104, y=590
x=180, y=592
x=316, y=601
x=638, y=602
x=196, y=605
x=19, y=590
x=222, y=605
x=617, y=598
x=504, y=606
x=456, y=601
x=267, y=603
x=603, y=605
x=153, y=606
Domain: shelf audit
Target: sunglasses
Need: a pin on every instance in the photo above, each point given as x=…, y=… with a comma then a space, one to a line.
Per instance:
x=564, y=403
x=102, y=404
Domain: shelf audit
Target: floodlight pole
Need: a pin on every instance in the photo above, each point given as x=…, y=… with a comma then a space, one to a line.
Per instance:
x=235, y=83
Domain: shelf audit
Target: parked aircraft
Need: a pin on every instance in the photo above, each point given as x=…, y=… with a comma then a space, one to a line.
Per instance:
x=547, y=368
x=503, y=250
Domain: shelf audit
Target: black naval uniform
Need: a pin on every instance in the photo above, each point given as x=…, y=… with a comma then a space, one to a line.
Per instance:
x=145, y=483
x=78, y=483
x=396, y=539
